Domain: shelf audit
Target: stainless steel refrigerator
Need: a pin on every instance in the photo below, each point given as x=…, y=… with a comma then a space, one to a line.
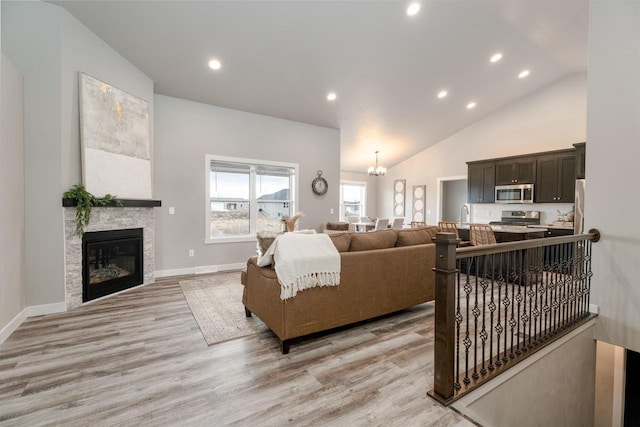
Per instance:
x=578, y=210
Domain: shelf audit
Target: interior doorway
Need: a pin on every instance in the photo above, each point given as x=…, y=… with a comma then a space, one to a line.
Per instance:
x=453, y=195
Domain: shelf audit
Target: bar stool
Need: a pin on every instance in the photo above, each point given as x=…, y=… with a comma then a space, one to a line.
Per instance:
x=451, y=227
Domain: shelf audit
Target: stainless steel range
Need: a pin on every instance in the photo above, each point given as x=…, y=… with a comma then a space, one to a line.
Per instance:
x=522, y=218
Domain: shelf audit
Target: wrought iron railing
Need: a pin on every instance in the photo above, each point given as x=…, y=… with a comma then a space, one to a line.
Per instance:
x=498, y=304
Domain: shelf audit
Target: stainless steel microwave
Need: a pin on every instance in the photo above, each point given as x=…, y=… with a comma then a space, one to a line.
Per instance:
x=520, y=193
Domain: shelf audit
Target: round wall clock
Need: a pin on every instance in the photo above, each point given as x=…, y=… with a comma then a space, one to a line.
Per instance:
x=319, y=184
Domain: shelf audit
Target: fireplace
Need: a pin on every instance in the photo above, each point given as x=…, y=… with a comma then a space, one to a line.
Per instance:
x=111, y=261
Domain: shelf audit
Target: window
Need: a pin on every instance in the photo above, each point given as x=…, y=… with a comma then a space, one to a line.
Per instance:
x=246, y=196
x=352, y=199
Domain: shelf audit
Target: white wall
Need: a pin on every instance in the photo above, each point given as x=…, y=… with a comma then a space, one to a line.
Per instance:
x=13, y=294
x=613, y=159
x=49, y=47
x=530, y=394
x=186, y=131
x=550, y=119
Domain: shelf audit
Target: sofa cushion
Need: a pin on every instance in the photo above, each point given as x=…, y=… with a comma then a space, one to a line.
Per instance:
x=341, y=241
x=340, y=226
x=373, y=240
x=431, y=231
x=413, y=236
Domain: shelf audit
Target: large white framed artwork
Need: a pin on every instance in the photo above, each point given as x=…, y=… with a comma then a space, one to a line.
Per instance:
x=398, y=197
x=115, y=146
x=419, y=202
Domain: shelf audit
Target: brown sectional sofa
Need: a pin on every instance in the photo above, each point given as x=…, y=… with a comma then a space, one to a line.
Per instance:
x=381, y=272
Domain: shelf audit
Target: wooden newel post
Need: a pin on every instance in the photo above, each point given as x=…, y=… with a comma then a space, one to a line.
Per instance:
x=444, y=351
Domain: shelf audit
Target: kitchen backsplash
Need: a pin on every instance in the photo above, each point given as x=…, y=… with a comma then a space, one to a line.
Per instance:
x=487, y=212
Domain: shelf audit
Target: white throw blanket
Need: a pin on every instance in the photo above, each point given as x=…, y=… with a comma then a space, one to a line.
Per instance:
x=303, y=261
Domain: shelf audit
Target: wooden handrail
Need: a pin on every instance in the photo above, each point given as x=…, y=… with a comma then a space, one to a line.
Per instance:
x=469, y=251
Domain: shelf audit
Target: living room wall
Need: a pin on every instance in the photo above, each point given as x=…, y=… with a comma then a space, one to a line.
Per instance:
x=549, y=119
x=50, y=47
x=13, y=295
x=185, y=132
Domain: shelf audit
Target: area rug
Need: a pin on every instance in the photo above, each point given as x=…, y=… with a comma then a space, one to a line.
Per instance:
x=216, y=304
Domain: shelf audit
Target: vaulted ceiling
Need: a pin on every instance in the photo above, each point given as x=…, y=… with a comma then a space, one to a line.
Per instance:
x=282, y=58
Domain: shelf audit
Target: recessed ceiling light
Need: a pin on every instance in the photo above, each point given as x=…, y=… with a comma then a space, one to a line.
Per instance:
x=471, y=105
x=523, y=74
x=413, y=9
x=496, y=57
x=442, y=94
x=332, y=96
x=214, y=64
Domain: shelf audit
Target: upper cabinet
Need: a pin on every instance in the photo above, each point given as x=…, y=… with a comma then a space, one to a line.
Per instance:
x=516, y=171
x=554, y=174
x=581, y=157
x=481, y=182
x=556, y=178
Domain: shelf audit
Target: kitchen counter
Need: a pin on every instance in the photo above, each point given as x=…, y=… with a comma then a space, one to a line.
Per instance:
x=554, y=226
x=511, y=228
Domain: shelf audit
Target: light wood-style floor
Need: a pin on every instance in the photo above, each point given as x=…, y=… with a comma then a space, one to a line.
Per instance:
x=138, y=358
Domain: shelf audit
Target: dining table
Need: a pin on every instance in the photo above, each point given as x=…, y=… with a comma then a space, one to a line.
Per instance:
x=364, y=225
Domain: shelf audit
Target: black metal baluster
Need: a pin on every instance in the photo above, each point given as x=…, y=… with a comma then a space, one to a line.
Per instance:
x=506, y=303
x=512, y=320
x=539, y=289
x=589, y=273
x=520, y=319
x=483, y=332
x=499, y=327
x=552, y=284
x=456, y=383
x=467, y=340
x=492, y=309
x=476, y=313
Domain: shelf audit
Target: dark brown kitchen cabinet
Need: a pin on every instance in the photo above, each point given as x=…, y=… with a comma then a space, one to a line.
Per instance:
x=581, y=157
x=556, y=178
x=516, y=171
x=481, y=182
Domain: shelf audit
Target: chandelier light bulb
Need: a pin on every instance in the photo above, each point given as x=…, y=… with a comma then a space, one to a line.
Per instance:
x=377, y=170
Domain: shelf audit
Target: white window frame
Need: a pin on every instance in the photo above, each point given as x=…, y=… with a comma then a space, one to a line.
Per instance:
x=364, y=199
x=251, y=237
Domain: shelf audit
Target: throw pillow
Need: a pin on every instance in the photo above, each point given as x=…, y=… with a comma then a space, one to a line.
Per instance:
x=265, y=240
x=341, y=241
x=373, y=240
x=340, y=226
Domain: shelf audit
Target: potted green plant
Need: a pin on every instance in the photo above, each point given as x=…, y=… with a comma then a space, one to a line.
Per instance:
x=85, y=201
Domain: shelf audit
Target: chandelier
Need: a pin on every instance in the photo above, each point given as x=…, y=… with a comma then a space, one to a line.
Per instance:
x=377, y=170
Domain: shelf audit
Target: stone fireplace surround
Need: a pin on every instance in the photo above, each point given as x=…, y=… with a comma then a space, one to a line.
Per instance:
x=134, y=214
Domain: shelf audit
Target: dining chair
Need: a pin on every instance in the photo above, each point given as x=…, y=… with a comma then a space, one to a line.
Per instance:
x=418, y=224
x=381, y=224
x=397, y=223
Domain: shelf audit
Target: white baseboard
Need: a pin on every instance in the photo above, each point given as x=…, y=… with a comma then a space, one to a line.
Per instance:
x=223, y=267
x=206, y=269
x=39, y=310
x=174, y=272
x=33, y=310
x=13, y=325
x=202, y=269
